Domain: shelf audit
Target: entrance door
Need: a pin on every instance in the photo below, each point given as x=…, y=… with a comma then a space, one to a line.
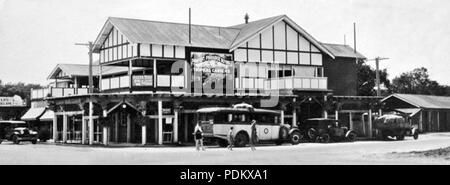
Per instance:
x=122, y=127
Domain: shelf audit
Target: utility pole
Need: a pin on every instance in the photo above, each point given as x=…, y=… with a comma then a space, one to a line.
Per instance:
x=90, y=90
x=90, y=45
x=377, y=64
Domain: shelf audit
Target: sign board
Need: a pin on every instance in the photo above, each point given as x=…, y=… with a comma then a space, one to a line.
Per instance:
x=212, y=67
x=142, y=80
x=219, y=63
x=11, y=101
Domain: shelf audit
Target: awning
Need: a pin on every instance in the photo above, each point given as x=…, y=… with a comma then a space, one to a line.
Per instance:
x=47, y=116
x=410, y=111
x=33, y=114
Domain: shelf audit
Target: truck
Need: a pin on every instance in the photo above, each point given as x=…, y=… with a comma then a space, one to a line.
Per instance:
x=392, y=125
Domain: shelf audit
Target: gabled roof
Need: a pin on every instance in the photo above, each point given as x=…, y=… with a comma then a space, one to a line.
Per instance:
x=344, y=51
x=82, y=70
x=249, y=30
x=423, y=101
x=166, y=33
x=252, y=29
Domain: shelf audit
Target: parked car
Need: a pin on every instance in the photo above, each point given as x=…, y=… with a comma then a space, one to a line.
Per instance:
x=17, y=131
x=325, y=130
x=20, y=134
x=392, y=125
x=216, y=123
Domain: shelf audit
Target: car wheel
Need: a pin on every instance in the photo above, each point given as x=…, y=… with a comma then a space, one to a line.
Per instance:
x=15, y=139
x=312, y=134
x=34, y=142
x=401, y=137
x=296, y=137
x=351, y=136
x=415, y=136
x=324, y=138
x=241, y=140
x=1, y=140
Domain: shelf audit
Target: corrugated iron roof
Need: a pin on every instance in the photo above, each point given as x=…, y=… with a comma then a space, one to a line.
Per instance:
x=83, y=70
x=424, y=101
x=167, y=33
x=155, y=32
x=410, y=111
x=340, y=50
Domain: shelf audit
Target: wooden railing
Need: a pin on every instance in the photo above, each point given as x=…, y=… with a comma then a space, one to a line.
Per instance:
x=300, y=83
x=57, y=92
x=290, y=83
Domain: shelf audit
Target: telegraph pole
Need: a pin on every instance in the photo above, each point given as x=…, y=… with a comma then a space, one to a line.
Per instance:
x=377, y=64
x=91, y=90
x=90, y=45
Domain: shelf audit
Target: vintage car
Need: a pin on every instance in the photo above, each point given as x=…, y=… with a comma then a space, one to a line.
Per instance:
x=325, y=130
x=17, y=131
x=392, y=125
x=217, y=121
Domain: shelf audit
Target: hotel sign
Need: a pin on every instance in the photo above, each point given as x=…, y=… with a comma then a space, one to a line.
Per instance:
x=142, y=80
x=211, y=62
x=11, y=101
x=211, y=67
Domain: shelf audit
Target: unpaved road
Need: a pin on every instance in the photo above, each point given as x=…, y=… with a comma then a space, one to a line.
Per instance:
x=361, y=152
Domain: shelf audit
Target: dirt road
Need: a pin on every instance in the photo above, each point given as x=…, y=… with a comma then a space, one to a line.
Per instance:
x=361, y=152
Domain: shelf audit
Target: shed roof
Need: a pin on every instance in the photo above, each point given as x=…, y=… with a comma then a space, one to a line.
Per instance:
x=423, y=101
x=345, y=51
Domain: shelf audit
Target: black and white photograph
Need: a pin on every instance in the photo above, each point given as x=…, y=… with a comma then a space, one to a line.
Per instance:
x=224, y=82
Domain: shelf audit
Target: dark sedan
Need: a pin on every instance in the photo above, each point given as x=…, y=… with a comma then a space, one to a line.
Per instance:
x=20, y=134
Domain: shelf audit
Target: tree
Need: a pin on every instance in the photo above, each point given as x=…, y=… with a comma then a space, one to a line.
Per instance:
x=21, y=89
x=417, y=81
x=367, y=80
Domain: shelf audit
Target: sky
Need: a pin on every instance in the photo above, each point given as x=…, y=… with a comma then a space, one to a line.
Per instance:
x=35, y=35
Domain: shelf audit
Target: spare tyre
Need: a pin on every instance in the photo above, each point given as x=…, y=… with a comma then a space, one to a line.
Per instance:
x=284, y=133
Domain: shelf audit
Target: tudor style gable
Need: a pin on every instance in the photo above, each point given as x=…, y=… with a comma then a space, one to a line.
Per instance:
x=280, y=43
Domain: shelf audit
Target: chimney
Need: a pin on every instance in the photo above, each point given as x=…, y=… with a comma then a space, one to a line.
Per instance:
x=246, y=18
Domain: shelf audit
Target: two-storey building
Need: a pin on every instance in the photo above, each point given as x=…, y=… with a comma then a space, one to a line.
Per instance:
x=173, y=69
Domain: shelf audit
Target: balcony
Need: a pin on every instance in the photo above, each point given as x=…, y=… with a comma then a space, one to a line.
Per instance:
x=143, y=82
x=57, y=92
x=283, y=83
x=297, y=83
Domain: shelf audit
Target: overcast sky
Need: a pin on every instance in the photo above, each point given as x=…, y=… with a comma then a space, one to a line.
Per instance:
x=35, y=35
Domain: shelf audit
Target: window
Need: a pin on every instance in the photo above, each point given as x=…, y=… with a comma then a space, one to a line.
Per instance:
x=320, y=72
x=287, y=72
x=220, y=118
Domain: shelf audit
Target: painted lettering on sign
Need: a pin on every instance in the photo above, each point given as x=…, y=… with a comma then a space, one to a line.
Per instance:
x=143, y=80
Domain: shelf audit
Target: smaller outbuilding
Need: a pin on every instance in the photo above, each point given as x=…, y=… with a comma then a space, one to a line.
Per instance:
x=428, y=113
